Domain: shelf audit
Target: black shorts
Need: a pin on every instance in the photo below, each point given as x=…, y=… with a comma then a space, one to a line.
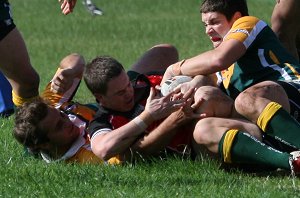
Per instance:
x=292, y=89
x=6, y=21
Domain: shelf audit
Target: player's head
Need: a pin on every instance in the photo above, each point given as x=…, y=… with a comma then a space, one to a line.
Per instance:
x=107, y=80
x=43, y=128
x=218, y=17
x=226, y=7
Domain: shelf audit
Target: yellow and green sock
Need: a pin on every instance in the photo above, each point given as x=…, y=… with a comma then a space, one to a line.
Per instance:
x=239, y=147
x=278, y=123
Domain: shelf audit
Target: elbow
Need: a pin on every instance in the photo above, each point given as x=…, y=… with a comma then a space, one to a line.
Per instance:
x=219, y=64
x=101, y=151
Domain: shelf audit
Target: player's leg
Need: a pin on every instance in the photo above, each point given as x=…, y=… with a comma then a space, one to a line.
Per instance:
x=6, y=104
x=15, y=65
x=230, y=139
x=14, y=59
x=156, y=59
x=267, y=105
x=285, y=23
x=215, y=103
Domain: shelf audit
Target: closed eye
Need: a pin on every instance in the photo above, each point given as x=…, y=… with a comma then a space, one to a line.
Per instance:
x=123, y=91
x=60, y=122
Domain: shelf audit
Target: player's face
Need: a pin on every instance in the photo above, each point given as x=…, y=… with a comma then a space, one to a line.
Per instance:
x=60, y=130
x=216, y=26
x=120, y=94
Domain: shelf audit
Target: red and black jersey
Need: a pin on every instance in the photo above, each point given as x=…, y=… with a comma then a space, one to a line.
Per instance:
x=107, y=120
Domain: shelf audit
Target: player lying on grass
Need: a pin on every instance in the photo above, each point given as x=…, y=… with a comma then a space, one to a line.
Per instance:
x=55, y=127
x=123, y=120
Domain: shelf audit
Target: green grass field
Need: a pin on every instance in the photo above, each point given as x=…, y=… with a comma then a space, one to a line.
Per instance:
x=127, y=29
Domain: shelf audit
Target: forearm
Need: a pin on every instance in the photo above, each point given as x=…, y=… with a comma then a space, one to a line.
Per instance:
x=75, y=63
x=215, y=60
x=70, y=68
x=161, y=136
x=203, y=64
x=119, y=140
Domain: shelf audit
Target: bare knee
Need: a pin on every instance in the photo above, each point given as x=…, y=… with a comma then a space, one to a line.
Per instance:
x=202, y=132
x=156, y=59
x=251, y=102
x=167, y=51
x=207, y=134
x=216, y=103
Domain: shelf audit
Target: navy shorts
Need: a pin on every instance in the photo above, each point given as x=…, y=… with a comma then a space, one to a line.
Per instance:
x=292, y=89
x=6, y=21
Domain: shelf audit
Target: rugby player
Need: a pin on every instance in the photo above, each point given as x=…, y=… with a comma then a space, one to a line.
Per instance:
x=259, y=74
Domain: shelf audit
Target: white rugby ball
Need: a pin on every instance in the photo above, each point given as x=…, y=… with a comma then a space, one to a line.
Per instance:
x=169, y=85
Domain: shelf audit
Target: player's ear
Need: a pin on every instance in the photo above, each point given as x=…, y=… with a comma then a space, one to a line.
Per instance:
x=99, y=97
x=236, y=16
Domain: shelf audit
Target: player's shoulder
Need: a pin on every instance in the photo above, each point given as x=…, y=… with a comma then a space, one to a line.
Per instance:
x=248, y=22
x=102, y=113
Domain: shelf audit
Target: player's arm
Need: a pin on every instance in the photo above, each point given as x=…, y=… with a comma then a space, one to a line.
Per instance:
x=106, y=145
x=161, y=136
x=215, y=60
x=70, y=68
x=196, y=82
x=209, y=62
x=67, y=6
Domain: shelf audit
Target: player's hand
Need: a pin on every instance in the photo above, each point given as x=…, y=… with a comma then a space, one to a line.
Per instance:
x=185, y=88
x=167, y=75
x=172, y=70
x=161, y=107
x=62, y=81
x=191, y=105
x=67, y=6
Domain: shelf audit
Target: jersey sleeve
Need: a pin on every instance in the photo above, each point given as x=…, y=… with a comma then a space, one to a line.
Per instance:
x=245, y=30
x=100, y=124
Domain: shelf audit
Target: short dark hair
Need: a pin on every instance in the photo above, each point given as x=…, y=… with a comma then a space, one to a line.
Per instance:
x=226, y=7
x=100, y=71
x=27, y=118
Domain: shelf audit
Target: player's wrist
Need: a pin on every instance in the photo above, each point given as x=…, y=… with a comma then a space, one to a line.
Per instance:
x=140, y=123
x=143, y=120
x=176, y=68
x=147, y=117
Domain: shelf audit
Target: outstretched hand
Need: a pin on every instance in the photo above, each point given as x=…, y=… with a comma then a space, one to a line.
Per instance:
x=167, y=75
x=185, y=88
x=62, y=81
x=191, y=105
x=67, y=6
x=161, y=107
